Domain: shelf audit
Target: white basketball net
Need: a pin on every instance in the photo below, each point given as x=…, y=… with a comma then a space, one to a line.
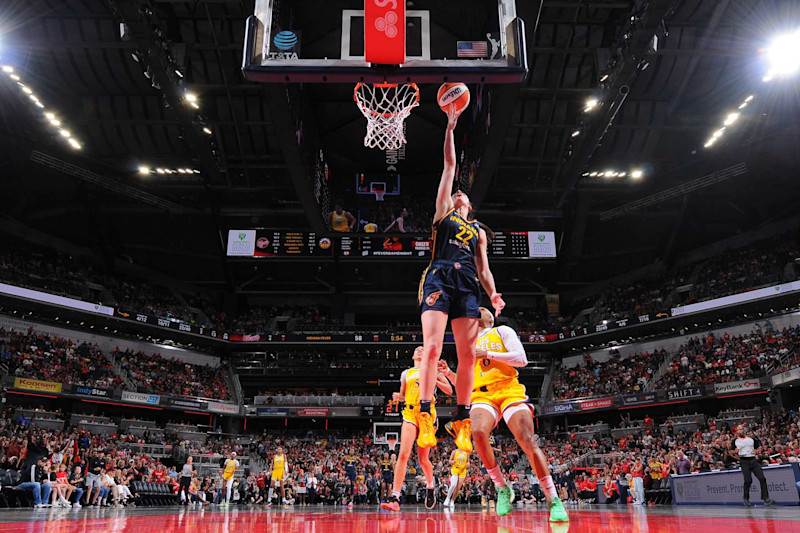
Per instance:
x=386, y=107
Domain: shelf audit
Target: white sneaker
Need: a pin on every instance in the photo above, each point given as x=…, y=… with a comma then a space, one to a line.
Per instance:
x=76, y=505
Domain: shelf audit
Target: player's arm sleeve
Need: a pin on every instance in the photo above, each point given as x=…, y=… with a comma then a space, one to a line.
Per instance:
x=515, y=354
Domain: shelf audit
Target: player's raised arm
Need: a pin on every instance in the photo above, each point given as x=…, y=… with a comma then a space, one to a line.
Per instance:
x=444, y=202
x=485, y=274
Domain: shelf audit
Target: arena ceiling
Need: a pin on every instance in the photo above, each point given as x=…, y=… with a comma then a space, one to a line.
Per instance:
x=658, y=104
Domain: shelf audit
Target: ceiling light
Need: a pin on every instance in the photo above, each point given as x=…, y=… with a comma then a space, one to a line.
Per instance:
x=7, y=68
x=732, y=117
x=585, y=174
x=590, y=103
x=26, y=90
x=178, y=72
x=37, y=103
x=191, y=97
x=14, y=77
x=208, y=131
x=744, y=104
x=181, y=171
x=749, y=98
x=719, y=132
x=604, y=78
x=65, y=133
x=75, y=144
x=782, y=54
x=55, y=122
x=144, y=170
x=592, y=174
x=623, y=174
x=636, y=174
x=609, y=173
x=194, y=105
x=160, y=170
x=768, y=77
x=710, y=142
x=195, y=171
x=49, y=116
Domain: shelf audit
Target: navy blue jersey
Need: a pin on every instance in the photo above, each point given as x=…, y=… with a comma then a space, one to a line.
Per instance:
x=455, y=240
x=350, y=464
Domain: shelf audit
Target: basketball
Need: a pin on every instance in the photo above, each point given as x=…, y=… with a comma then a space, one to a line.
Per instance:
x=453, y=94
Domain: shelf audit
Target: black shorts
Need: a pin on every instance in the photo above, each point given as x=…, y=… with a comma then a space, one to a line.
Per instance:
x=388, y=477
x=351, y=476
x=450, y=288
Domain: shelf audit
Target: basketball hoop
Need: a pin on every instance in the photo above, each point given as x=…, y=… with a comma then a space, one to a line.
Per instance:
x=386, y=107
x=392, y=443
x=378, y=194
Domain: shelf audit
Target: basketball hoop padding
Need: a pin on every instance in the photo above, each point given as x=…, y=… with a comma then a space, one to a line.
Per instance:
x=386, y=107
x=385, y=32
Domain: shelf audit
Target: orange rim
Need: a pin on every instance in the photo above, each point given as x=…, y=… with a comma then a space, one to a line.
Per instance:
x=382, y=85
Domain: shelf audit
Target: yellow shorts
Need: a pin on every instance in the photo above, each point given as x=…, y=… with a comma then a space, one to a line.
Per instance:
x=411, y=412
x=499, y=397
x=462, y=474
x=277, y=475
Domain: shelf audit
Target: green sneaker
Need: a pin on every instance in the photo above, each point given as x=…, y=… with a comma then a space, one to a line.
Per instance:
x=505, y=497
x=557, y=511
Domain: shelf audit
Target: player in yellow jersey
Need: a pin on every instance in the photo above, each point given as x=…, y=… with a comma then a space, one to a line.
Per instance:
x=409, y=393
x=228, y=473
x=279, y=468
x=459, y=461
x=498, y=393
x=340, y=220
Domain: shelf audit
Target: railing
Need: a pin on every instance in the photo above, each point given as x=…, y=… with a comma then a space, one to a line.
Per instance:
x=152, y=450
x=283, y=400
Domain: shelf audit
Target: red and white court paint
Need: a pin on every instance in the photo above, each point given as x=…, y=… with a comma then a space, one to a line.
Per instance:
x=409, y=520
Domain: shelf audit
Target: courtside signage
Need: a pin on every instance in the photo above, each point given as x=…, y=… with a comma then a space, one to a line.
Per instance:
x=37, y=385
x=241, y=242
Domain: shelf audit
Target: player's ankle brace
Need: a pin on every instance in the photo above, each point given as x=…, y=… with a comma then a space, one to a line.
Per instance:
x=462, y=412
x=425, y=407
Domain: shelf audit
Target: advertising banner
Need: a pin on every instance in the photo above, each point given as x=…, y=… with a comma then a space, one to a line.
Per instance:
x=37, y=385
x=726, y=487
x=748, y=385
x=313, y=411
x=186, y=404
x=681, y=394
x=223, y=408
x=600, y=403
x=48, y=298
x=636, y=399
x=558, y=408
x=91, y=391
x=138, y=397
x=272, y=411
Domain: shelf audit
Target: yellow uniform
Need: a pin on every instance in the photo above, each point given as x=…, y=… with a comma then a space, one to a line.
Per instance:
x=230, y=469
x=339, y=222
x=278, y=467
x=371, y=228
x=460, y=465
x=411, y=411
x=496, y=384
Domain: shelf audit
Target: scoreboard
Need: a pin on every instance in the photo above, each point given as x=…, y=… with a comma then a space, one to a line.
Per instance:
x=278, y=243
x=287, y=243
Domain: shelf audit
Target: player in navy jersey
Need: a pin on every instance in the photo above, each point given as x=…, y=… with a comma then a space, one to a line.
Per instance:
x=450, y=287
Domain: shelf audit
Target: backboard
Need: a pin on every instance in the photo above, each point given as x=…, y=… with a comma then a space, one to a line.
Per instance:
x=381, y=431
x=324, y=41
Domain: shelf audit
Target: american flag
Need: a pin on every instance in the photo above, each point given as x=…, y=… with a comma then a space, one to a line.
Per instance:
x=472, y=49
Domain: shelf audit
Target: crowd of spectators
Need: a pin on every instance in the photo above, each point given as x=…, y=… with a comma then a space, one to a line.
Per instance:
x=277, y=319
x=618, y=375
x=745, y=269
x=38, y=356
x=718, y=359
x=161, y=375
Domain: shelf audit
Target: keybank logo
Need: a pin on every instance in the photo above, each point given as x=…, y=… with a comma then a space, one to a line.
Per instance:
x=285, y=40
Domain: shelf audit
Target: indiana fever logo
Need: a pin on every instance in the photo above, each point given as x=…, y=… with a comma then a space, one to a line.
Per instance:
x=431, y=299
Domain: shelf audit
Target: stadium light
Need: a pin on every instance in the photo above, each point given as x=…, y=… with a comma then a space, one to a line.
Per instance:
x=590, y=104
x=732, y=117
x=574, y=133
x=783, y=56
x=65, y=133
x=144, y=170
x=8, y=69
x=636, y=174
x=208, y=131
x=75, y=144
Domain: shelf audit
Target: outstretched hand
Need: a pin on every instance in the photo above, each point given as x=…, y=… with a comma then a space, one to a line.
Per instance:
x=452, y=116
x=497, y=303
